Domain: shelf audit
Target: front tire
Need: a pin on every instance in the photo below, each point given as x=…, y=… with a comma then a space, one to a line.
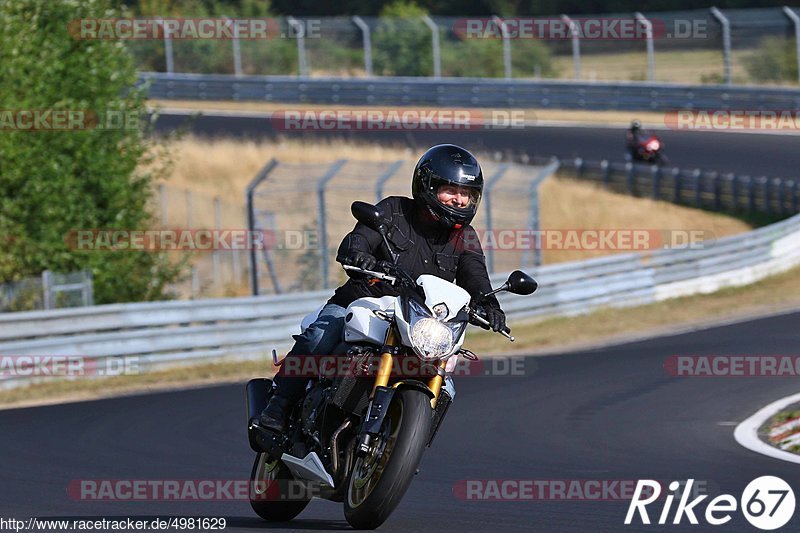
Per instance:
x=270, y=497
x=380, y=479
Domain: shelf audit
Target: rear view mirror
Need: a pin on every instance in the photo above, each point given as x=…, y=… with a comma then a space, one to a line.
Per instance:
x=369, y=215
x=521, y=283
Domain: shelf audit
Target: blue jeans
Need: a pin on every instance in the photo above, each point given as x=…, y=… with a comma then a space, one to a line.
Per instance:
x=321, y=337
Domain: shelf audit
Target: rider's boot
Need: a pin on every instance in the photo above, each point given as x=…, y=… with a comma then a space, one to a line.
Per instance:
x=288, y=392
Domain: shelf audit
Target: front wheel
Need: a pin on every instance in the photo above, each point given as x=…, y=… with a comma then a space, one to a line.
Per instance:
x=380, y=479
x=272, y=490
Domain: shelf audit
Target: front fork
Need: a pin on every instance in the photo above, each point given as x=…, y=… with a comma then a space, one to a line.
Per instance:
x=382, y=393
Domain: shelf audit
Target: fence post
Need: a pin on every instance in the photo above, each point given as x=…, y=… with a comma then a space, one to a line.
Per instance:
x=162, y=199
x=697, y=178
x=215, y=270
x=393, y=168
x=782, y=186
x=533, y=220
x=656, y=170
x=734, y=190
x=487, y=199
x=677, y=183
x=367, y=41
x=795, y=194
x=766, y=193
x=606, y=171
x=651, y=56
x=87, y=293
x=789, y=12
x=301, y=45
x=323, y=234
x=726, y=42
x=168, y=55
x=631, y=177
x=188, y=194
x=437, y=55
x=251, y=222
x=751, y=194
x=579, y=167
x=195, y=282
x=236, y=257
x=237, y=52
x=506, y=46
x=47, y=289
x=576, y=44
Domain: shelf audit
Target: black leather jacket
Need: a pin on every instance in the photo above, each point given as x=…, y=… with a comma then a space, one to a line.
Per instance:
x=424, y=248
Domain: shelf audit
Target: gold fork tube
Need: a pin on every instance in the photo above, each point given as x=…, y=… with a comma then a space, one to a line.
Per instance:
x=385, y=367
x=435, y=384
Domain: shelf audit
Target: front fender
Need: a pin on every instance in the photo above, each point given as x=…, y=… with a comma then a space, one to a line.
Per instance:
x=379, y=405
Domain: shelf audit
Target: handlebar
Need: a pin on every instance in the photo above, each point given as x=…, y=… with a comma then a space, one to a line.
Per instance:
x=505, y=332
x=474, y=314
x=373, y=273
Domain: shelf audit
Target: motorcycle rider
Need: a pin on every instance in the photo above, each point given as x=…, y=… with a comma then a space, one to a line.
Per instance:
x=632, y=139
x=431, y=234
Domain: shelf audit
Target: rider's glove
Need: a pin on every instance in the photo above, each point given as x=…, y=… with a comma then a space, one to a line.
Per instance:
x=494, y=316
x=361, y=260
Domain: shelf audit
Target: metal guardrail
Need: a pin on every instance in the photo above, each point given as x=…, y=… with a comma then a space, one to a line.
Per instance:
x=707, y=190
x=470, y=92
x=206, y=330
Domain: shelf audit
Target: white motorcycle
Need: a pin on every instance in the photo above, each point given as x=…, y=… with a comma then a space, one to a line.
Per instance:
x=358, y=435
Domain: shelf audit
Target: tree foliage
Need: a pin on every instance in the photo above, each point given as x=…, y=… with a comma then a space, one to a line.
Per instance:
x=54, y=182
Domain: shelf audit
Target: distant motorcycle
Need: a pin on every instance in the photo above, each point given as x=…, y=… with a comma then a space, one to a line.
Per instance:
x=646, y=148
x=358, y=436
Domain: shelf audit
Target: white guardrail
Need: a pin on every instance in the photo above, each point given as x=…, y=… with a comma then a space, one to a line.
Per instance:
x=172, y=332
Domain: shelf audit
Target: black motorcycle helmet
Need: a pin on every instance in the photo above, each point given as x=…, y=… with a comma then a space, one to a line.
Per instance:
x=446, y=164
x=636, y=125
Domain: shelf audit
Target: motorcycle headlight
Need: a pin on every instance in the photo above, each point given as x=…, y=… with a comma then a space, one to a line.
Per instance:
x=430, y=338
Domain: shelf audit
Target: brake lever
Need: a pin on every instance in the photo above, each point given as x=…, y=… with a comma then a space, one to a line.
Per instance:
x=506, y=332
x=373, y=273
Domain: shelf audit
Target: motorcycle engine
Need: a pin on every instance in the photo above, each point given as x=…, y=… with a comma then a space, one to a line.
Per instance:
x=312, y=406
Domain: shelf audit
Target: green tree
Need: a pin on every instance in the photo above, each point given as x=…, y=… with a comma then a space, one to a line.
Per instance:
x=53, y=182
x=403, y=42
x=774, y=60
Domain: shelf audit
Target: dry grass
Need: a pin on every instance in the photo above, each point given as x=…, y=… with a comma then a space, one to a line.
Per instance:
x=571, y=204
x=224, y=167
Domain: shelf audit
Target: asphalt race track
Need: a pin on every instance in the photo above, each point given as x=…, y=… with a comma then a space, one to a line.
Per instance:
x=606, y=414
x=749, y=154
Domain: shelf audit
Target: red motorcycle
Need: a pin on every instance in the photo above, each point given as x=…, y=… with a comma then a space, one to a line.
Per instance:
x=646, y=148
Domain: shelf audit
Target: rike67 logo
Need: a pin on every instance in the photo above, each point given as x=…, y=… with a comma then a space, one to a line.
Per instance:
x=767, y=503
